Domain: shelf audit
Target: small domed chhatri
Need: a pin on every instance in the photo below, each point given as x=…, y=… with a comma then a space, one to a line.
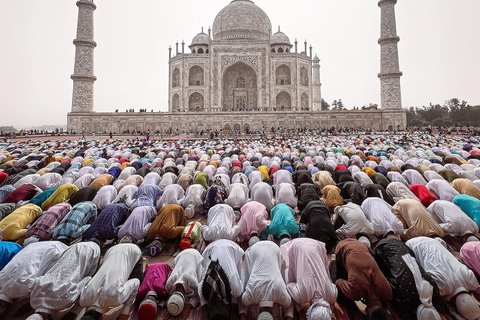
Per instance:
x=242, y=19
x=280, y=38
x=201, y=39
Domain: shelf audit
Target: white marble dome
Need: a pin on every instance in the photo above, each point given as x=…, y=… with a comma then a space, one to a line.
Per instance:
x=242, y=20
x=280, y=38
x=201, y=39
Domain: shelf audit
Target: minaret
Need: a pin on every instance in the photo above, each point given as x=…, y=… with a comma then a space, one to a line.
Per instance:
x=83, y=78
x=317, y=92
x=391, y=97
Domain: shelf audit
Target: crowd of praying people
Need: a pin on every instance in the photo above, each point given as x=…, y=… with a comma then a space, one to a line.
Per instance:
x=337, y=227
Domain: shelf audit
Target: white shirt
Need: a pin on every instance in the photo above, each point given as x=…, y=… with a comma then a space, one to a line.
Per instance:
x=285, y=193
x=255, y=177
x=442, y=190
x=451, y=218
x=451, y=276
x=18, y=276
x=282, y=176
x=172, y=194
x=128, y=195
x=110, y=287
x=263, y=277
x=187, y=271
x=381, y=216
x=229, y=256
x=61, y=286
x=105, y=196
x=262, y=192
x=237, y=195
x=355, y=220
x=138, y=223
x=220, y=224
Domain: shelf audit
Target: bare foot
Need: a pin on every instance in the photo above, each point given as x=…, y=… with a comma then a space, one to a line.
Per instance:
x=164, y=315
x=185, y=315
x=124, y=317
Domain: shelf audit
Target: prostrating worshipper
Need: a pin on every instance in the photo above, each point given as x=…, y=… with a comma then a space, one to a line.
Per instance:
x=60, y=287
x=263, y=278
x=191, y=235
x=102, y=180
x=316, y=216
x=5, y=191
x=49, y=181
x=453, y=278
x=147, y=196
x=283, y=225
x=285, y=193
x=306, y=192
x=105, y=196
x=115, y=284
x=237, y=195
x=352, y=192
x=169, y=224
x=42, y=228
x=76, y=222
x=469, y=205
x=137, y=224
x=358, y=277
x=183, y=282
x=22, y=193
x=229, y=256
x=308, y=281
x=442, y=190
x=8, y=250
x=465, y=186
x=202, y=179
x=84, y=194
x=172, y=194
x=133, y=180
x=453, y=220
x=13, y=227
x=193, y=202
x=253, y=222
x=416, y=220
x=39, y=199
x=262, y=192
x=107, y=224
x=331, y=196
x=19, y=275
x=213, y=196
x=426, y=198
x=398, y=191
x=413, y=290
x=322, y=179
x=62, y=194
x=152, y=291
x=220, y=224
x=351, y=222
x=380, y=214
x=6, y=209
x=470, y=254
x=127, y=195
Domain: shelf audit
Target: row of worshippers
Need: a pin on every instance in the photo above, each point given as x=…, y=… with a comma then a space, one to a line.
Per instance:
x=419, y=277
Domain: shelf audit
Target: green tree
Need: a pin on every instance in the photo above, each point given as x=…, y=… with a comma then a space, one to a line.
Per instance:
x=325, y=105
x=340, y=104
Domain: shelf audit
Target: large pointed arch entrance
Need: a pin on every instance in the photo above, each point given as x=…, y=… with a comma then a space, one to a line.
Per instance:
x=239, y=88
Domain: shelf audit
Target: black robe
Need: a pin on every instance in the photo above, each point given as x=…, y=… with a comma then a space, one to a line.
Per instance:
x=319, y=224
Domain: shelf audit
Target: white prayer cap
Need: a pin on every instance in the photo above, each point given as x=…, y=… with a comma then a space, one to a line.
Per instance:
x=265, y=316
x=365, y=241
x=320, y=310
x=253, y=240
x=35, y=316
x=472, y=238
x=176, y=303
x=283, y=241
x=467, y=306
x=427, y=313
x=190, y=211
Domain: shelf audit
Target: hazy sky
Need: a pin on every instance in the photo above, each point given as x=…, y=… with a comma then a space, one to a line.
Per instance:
x=439, y=50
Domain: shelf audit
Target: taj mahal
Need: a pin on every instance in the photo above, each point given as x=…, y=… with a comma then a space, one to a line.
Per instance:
x=239, y=75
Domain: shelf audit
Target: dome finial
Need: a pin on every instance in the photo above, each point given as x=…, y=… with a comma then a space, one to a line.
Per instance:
x=202, y=29
x=278, y=28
